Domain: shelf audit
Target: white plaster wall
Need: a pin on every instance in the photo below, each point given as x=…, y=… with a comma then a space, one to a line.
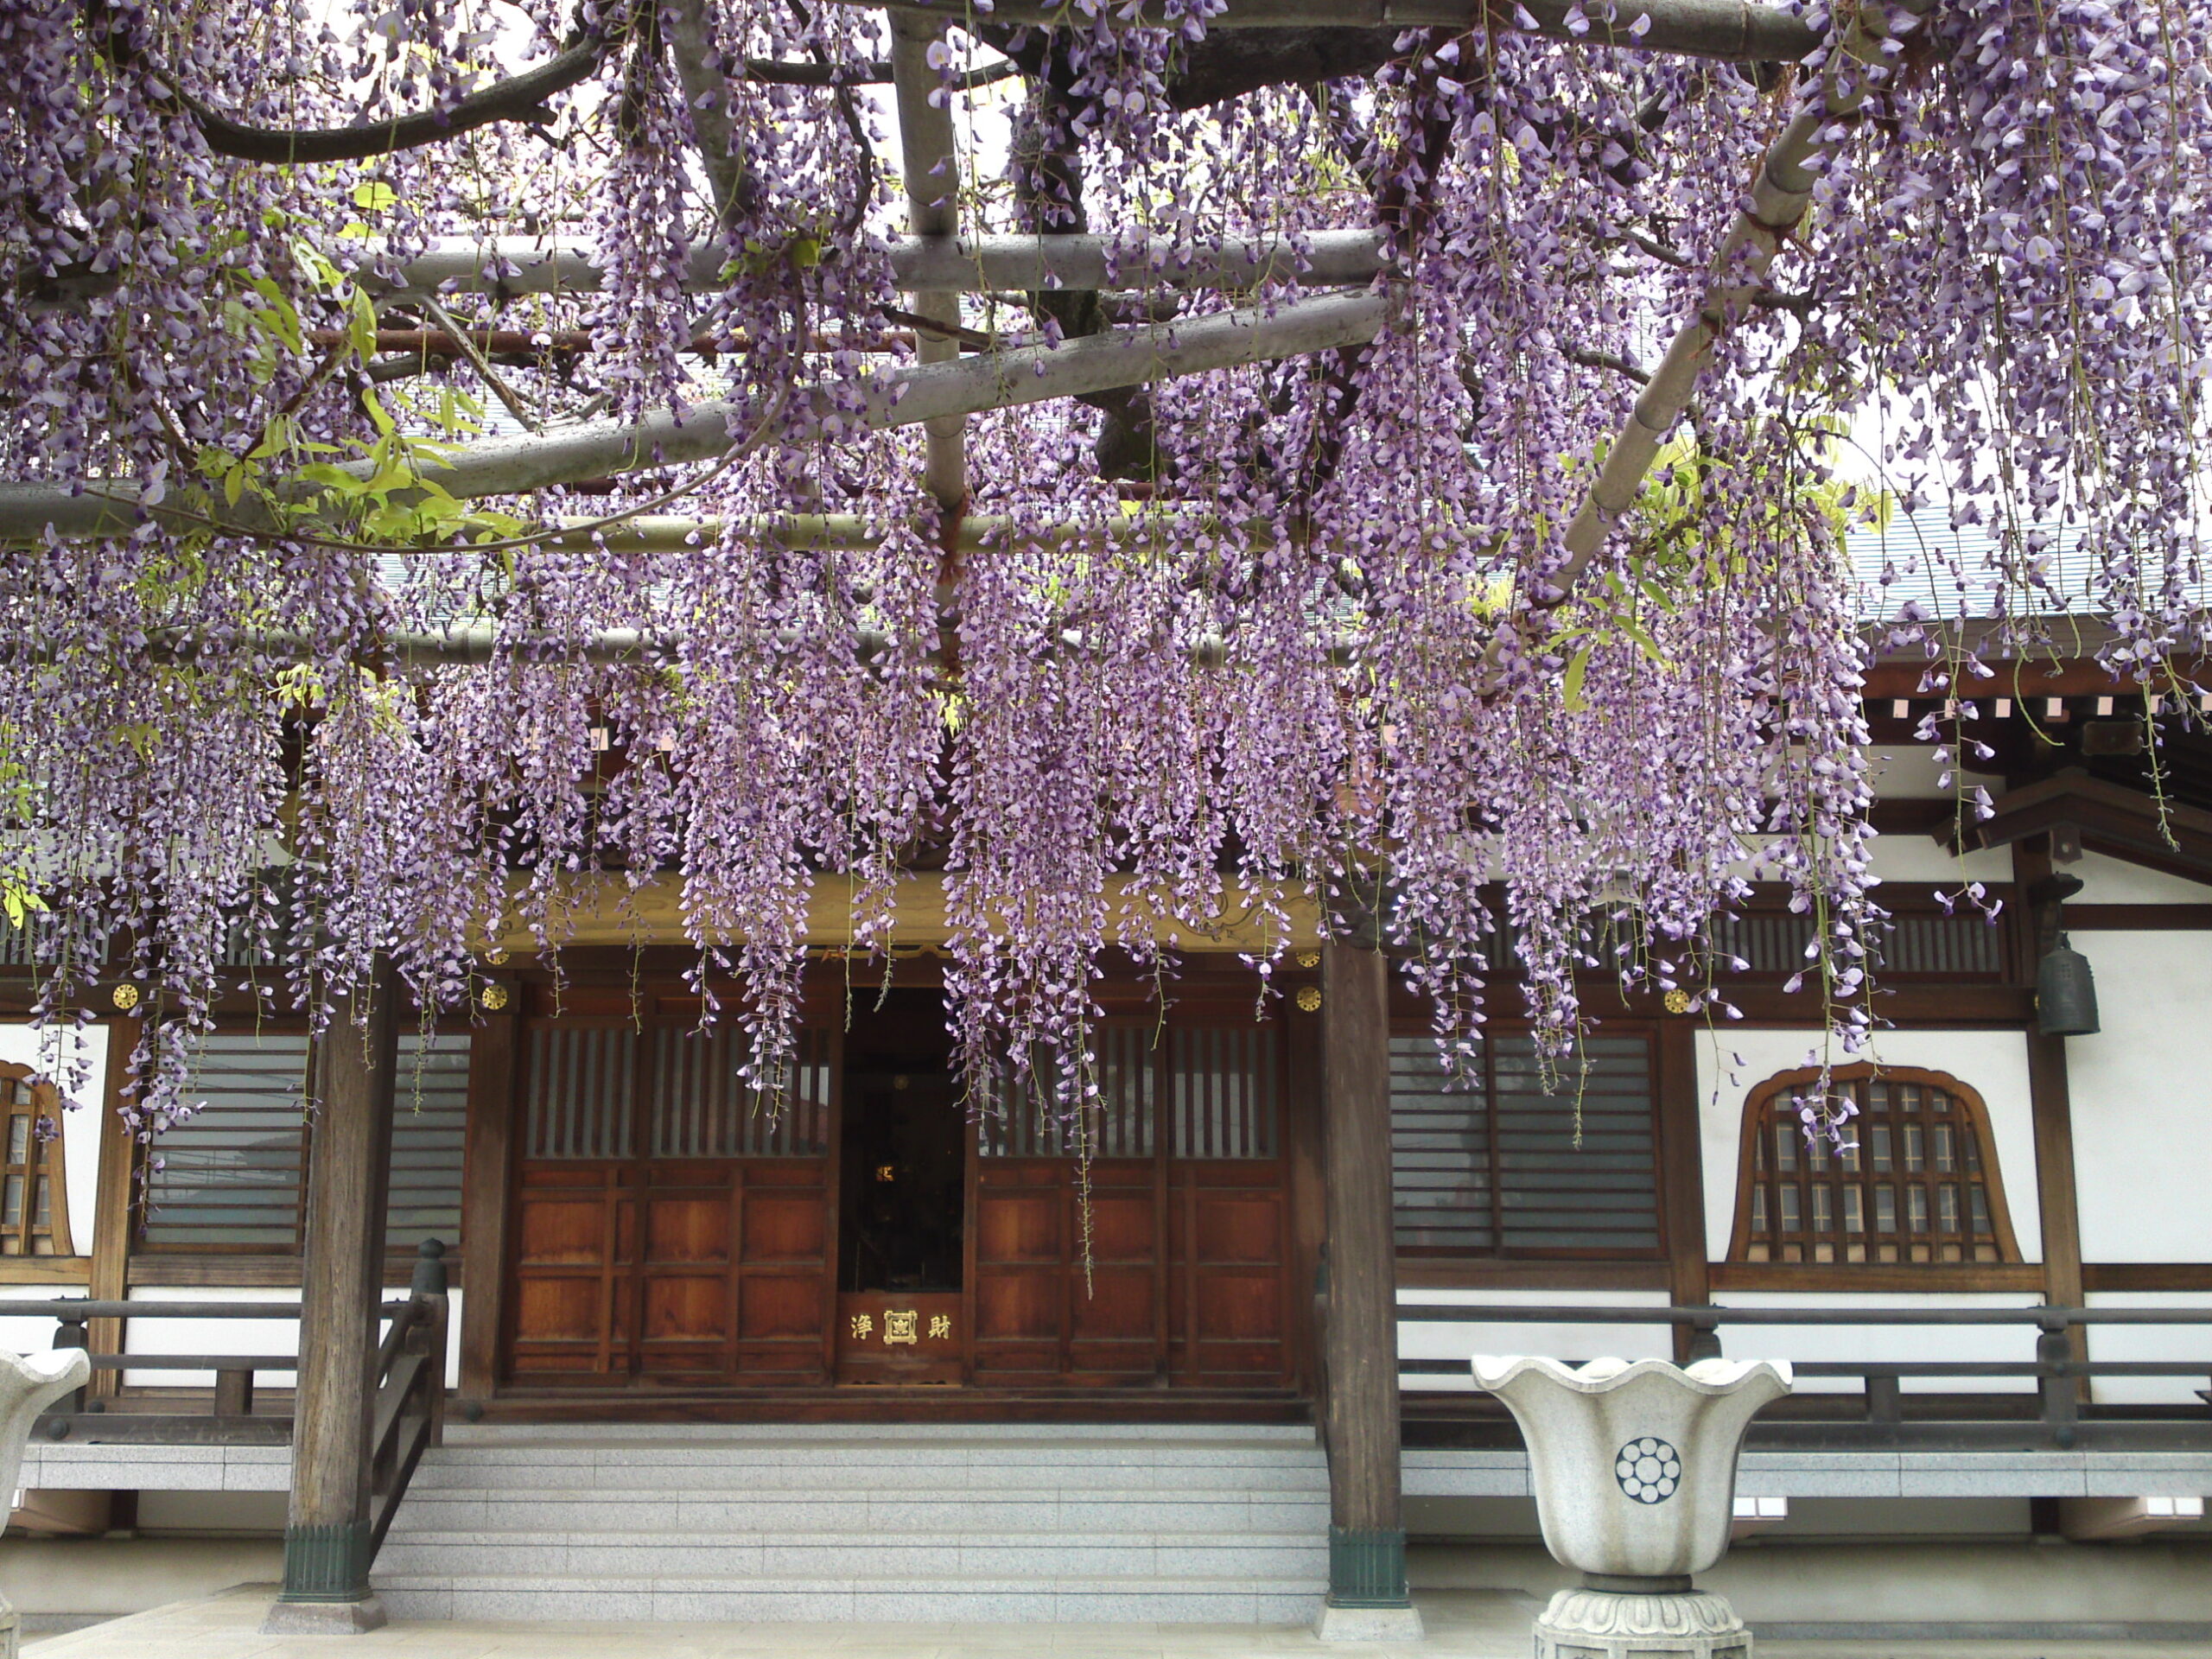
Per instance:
x=1559, y=1339
x=222, y=1336
x=54, y=1052
x=1906, y=856
x=1801, y=1343
x=2142, y=1099
x=2114, y=881
x=1994, y=1064
x=1902, y=856
x=20, y=1335
x=1907, y=772
x=2187, y=1344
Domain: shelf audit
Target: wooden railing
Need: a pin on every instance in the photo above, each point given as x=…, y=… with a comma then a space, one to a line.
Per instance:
x=2058, y=1374
x=409, y=1415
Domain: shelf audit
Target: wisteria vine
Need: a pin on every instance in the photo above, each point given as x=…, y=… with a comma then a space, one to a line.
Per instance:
x=1297, y=635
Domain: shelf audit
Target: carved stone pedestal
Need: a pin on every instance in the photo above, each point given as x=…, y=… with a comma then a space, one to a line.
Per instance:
x=1685, y=1623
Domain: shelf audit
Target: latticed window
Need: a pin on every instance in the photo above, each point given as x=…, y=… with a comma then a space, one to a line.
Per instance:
x=1915, y=1180
x=586, y=1079
x=1215, y=1088
x=231, y=1177
x=34, y=1210
x=1516, y=1158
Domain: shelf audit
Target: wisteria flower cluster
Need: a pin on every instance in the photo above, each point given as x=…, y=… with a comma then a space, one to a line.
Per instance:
x=1352, y=625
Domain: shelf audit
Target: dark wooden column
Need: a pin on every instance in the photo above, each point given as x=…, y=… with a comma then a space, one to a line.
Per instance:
x=1367, y=1529
x=487, y=1167
x=109, y=1274
x=2051, y=1104
x=1681, y=1184
x=349, y=1169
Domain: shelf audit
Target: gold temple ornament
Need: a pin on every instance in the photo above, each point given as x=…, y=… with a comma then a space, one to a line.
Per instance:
x=124, y=997
x=1309, y=999
x=899, y=1324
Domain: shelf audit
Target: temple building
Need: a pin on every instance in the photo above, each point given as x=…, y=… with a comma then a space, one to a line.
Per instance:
x=894, y=1346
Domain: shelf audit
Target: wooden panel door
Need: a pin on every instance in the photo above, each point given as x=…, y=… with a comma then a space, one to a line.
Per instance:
x=1149, y=1245
x=667, y=1228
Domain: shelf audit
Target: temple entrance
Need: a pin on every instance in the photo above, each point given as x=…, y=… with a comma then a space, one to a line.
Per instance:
x=902, y=1200
x=673, y=1231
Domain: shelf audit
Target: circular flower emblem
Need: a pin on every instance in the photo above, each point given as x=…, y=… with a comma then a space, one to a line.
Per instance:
x=1649, y=1470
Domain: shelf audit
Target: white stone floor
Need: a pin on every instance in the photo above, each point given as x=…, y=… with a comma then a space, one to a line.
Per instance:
x=1462, y=1624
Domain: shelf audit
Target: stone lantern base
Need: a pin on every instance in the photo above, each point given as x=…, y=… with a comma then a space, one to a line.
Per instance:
x=1660, y=1618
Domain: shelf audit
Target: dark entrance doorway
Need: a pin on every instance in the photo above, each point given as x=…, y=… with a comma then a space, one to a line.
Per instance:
x=902, y=1200
x=668, y=1233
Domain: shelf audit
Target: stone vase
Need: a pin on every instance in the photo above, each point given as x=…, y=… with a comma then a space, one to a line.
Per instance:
x=29, y=1384
x=1633, y=1465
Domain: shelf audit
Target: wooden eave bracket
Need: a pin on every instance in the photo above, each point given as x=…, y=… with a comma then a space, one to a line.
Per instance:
x=2110, y=818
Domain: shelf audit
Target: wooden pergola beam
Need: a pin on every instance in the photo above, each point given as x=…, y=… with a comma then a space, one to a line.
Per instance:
x=1777, y=203
x=1730, y=29
x=930, y=158
x=514, y=266
x=1135, y=355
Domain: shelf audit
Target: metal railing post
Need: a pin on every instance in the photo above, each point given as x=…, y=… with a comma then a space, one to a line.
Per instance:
x=2061, y=1394
x=1705, y=1337
x=428, y=1289
x=70, y=1333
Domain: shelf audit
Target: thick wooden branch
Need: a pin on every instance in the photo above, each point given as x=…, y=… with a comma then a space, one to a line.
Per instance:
x=929, y=161
x=875, y=72
x=1778, y=199
x=519, y=99
x=964, y=264
x=1731, y=30
x=921, y=392
x=706, y=97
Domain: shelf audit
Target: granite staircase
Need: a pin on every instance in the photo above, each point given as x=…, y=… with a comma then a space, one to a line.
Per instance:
x=888, y=1524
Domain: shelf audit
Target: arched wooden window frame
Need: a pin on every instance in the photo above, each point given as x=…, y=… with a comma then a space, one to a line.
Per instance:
x=39, y=1170
x=1758, y=1113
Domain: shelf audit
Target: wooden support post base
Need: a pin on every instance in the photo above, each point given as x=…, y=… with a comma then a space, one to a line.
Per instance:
x=326, y=1583
x=1369, y=1624
x=324, y=1617
x=1367, y=1600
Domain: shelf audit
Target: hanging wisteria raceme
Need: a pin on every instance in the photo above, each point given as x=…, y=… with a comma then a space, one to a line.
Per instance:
x=341, y=629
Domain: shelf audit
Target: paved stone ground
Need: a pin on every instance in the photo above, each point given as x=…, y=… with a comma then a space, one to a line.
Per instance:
x=1462, y=1624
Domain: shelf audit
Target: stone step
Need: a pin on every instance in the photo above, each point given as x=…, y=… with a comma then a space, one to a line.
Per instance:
x=834, y=1554
x=460, y=1434
x=894, y=1524
x=823, y=1470
x=944, y=1509
x=890, y=1600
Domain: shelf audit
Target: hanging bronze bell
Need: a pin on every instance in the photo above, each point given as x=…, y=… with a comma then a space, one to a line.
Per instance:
x=2066, y=993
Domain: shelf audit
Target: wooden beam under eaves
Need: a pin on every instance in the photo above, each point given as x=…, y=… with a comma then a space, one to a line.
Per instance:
x=2107, y=817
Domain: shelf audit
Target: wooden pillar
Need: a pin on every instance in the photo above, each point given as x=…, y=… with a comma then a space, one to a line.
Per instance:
x=327, y=1532
x=1367, y=1599
x=109, y=1278
x=2050, y=1107
x=1682, y=1182
x=487, y=1167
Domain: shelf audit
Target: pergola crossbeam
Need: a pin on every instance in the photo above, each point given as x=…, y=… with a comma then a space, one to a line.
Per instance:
x=514, y=266
x=1731, y=30
x=927, y=144
x=1777, y=201
x=1129, y=356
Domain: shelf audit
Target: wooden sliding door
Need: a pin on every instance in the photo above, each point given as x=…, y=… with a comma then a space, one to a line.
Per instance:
x=670, y=1226
x=1149, y=1243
